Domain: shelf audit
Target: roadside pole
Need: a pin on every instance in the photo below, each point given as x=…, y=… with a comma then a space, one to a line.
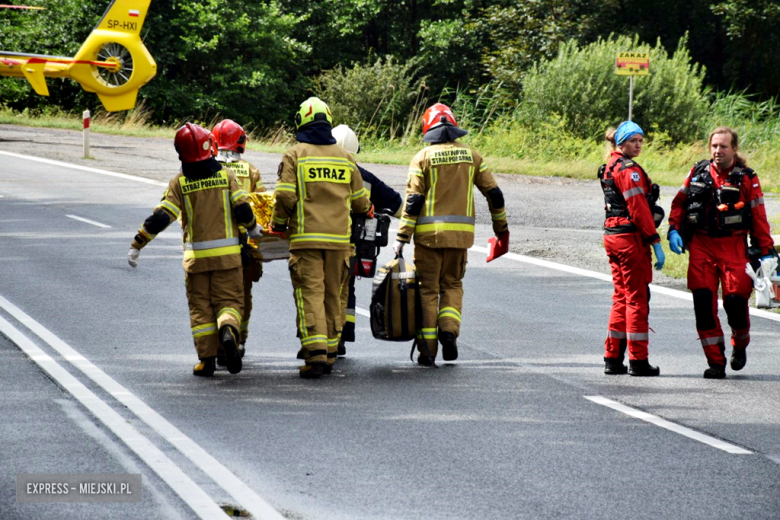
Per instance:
x=86, y=133
x=632, y=64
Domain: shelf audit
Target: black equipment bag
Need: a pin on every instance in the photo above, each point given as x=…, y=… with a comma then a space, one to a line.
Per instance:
x=396, y=311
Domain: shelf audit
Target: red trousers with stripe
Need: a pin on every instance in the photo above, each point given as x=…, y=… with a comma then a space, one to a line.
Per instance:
x=632, y=272
x=713, y=261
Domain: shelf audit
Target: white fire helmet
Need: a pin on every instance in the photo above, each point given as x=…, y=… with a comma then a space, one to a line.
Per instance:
x=346, y=138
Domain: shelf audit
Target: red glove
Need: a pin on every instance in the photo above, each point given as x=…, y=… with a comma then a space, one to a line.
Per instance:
x=370, y=212
x=275, y=232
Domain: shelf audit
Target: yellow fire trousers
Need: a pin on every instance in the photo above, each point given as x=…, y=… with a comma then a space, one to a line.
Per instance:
x=252, y=274
x=317, y=277
x=216, y=299
x=440, y=271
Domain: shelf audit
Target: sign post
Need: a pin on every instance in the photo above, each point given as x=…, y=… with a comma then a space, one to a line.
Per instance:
x=86, y=117
x=632, y=64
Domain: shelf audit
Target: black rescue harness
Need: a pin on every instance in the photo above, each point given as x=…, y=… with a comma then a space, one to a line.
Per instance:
x=718, y=211
x=615, y=204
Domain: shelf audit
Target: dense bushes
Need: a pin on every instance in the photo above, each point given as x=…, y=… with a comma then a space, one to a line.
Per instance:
x=581, y=87
x=375, y=99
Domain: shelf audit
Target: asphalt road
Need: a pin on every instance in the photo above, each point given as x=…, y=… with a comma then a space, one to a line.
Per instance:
x=505, y=432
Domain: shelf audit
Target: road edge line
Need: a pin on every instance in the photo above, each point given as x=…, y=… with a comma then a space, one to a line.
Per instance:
x=84, y=168
x=221, y=475
x=668, y=425
x=197, y=499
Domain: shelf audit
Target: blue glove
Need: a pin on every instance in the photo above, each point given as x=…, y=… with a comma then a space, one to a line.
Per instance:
x=676, y=242
x=767, y=257
x=659, y=256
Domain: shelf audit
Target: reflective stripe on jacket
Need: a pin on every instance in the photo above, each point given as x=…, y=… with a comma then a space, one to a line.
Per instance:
x=318, y=186
x=445, y=175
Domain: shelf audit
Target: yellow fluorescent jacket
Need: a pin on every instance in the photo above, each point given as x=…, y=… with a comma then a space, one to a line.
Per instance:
x=445, y=174
x=318, y=186
x=204, y=207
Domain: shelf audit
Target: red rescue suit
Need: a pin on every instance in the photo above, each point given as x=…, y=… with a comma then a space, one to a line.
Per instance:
x=718, y=254
x=629, y=229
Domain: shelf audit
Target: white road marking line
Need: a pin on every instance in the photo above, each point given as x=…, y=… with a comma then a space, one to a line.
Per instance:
x=246, y=497
x=82, y=219
x=85, y=168
x=663, y=423
x=169, y=472
x=362, y=312
x=607, y=278
x=657, y=289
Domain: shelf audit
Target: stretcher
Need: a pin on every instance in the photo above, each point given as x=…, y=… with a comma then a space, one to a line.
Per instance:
x=268, y=247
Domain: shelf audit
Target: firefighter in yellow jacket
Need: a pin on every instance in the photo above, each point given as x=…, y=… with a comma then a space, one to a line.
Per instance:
x=319, y=183
x=210, y=205
x=439, y=213
x=231, y=144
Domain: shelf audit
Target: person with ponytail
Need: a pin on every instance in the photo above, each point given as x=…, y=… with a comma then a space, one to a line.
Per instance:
x=629, y=234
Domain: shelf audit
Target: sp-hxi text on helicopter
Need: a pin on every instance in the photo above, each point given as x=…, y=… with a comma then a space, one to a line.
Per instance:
x=113, y=61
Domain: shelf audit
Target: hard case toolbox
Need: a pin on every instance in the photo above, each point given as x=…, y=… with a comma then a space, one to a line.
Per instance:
x=395, y=302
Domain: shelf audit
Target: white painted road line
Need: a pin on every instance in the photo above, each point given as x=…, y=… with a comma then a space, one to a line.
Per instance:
x=82, y=219
x=169, y=472
x=244, y=495
x=657, y=289
x=363, y=312
x=663, y=423
x=85, y=168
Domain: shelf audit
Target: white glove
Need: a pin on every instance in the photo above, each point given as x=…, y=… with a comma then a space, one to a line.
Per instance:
x=256, y=232
x=398, y=247
x=132, y=257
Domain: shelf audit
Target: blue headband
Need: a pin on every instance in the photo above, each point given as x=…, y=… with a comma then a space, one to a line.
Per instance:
x=626, y=130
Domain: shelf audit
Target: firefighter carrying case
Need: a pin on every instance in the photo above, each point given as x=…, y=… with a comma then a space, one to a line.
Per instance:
x=395, y=302
x=369, y=235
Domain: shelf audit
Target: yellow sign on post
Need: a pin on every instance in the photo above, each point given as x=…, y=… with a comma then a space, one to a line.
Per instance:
x=632, y=64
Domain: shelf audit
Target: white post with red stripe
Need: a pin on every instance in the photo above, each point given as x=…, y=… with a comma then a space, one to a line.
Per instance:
x=86, y=134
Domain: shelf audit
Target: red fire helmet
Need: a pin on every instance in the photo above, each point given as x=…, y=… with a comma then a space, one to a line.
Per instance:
x=230, y=136
x=436, y=115
x=194, y=143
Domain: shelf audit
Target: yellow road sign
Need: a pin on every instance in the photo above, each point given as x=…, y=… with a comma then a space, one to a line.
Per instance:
x=632, y=64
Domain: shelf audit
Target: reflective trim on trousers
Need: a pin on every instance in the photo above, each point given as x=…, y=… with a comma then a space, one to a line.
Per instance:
x=317, y=338
x=712, y=341
x=638, y=336
x=449, y=312
x=233, y=312
x=204, y=330
x=615, y=334
x=427, y=333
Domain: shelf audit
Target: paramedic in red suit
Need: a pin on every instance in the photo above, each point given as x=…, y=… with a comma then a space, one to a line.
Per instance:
x=629, y=234
x=719, y=205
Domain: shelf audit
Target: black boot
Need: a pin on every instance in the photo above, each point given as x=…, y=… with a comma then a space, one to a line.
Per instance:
x=715, y=371
x=449, y=345
x=424, y=360
x=342, y=351
x=738, y=358
x=642, y=368
x=205, y=368
x=614, y=366
x=228, y=338
x=312, y=371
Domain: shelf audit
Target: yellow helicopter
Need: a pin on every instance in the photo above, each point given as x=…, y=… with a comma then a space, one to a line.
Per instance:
x=113, y=61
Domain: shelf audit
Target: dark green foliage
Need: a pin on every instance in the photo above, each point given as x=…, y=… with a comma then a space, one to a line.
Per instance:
x=580, y=87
